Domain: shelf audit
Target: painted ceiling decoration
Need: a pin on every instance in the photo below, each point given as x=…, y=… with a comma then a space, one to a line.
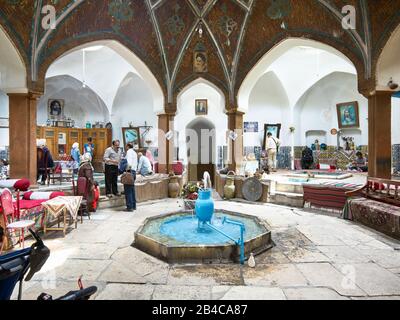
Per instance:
x=121, y=11
x=279, y=9
x=235, y=34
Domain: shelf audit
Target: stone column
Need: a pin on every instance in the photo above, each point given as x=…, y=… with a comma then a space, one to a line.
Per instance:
x=235, y=148
x=165, y=147
x=380, y=135
x=23, y=155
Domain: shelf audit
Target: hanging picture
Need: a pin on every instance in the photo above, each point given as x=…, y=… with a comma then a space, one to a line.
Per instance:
x=201, y=106
x=274, y=129
x=200, y=64
x=131, y=135
x=55, y=108
x=251, y=127
x=348, y=115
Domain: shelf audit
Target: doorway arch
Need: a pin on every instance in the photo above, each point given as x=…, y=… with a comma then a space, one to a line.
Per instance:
x=201, y=148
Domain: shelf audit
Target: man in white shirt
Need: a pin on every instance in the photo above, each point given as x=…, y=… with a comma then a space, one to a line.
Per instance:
x=144, y=166
x=130, y=194
x=272, y=149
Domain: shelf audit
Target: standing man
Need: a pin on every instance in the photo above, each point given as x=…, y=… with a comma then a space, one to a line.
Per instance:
x=132, y=164
x=272, y=150
x=112, y=157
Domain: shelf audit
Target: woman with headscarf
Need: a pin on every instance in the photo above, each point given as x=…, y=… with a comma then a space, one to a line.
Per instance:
x=76, y=156
x=86, y=171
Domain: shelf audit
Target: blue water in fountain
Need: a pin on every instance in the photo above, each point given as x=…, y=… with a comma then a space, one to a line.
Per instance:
x=182, y=229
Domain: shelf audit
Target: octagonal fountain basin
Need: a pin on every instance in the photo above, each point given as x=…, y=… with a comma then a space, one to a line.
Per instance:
x=177, y=238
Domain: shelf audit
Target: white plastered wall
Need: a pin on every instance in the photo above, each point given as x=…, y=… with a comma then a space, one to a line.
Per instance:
x=134, y=104
x=200, y=89
x=4, y=132
x=12, y=69
x=81, y=104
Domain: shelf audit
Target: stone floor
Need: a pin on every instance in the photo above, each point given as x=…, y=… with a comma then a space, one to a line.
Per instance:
x=315, y=257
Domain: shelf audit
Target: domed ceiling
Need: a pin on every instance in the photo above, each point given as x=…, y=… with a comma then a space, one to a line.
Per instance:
x=182, y=40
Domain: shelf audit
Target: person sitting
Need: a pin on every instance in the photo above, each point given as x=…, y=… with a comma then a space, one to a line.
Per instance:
x=144, y=165
x=360, y=164
x=307, y=159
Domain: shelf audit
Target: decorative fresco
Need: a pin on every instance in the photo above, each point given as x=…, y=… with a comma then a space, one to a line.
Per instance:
x=169, y=27
x=396, y=159
x=175, y=25
x=279, y=9
x=226, y=25
x=121, y=12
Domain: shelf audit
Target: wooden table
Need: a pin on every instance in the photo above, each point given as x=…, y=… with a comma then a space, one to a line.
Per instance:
x=61, y=207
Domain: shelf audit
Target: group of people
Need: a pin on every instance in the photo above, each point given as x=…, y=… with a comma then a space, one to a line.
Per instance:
x=132, y=163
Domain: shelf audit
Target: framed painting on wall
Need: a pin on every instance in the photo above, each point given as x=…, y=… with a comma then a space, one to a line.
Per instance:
x=348, y=115
x=132, y=135
x=251, y=127
x=274, y=129
x=201, y=106
x=55, y=108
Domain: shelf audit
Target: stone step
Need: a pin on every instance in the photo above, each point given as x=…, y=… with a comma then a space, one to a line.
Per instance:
x=115, y=202
x=289, y=188
x=288, y=199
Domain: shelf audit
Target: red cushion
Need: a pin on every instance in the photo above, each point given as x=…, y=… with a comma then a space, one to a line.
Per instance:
x=22, y=185
x=57, y=194
x=27, y=195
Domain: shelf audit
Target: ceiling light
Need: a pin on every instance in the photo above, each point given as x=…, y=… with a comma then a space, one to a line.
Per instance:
x=93, y=48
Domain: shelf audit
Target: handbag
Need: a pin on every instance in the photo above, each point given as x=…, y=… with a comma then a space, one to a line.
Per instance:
x=127, y=178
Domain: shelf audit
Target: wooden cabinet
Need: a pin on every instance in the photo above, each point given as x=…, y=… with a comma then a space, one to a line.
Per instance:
x=60, y=141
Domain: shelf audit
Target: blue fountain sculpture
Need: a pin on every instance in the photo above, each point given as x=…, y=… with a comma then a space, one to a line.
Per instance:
x=204, y=209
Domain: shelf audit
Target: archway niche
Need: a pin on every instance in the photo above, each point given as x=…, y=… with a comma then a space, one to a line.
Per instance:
x=278, y=91
x=201, y=148
x=388, y=68
x=81, y=103
x=202, y=89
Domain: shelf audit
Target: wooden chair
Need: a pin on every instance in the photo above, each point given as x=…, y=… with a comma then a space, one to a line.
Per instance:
x=386, y=191
x=8, y=209
x=81, y=190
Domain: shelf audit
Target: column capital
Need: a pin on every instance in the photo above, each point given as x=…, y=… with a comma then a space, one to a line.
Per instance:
x=234, y=112
x=32, y=95
x=170, y=108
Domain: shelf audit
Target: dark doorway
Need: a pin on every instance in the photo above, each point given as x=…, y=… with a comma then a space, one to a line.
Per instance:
x=201, y=146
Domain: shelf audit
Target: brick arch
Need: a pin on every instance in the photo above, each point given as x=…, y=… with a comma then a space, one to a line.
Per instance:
x=353, y=55
x=388, y=45
x=281, y=46
x=78, y=43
